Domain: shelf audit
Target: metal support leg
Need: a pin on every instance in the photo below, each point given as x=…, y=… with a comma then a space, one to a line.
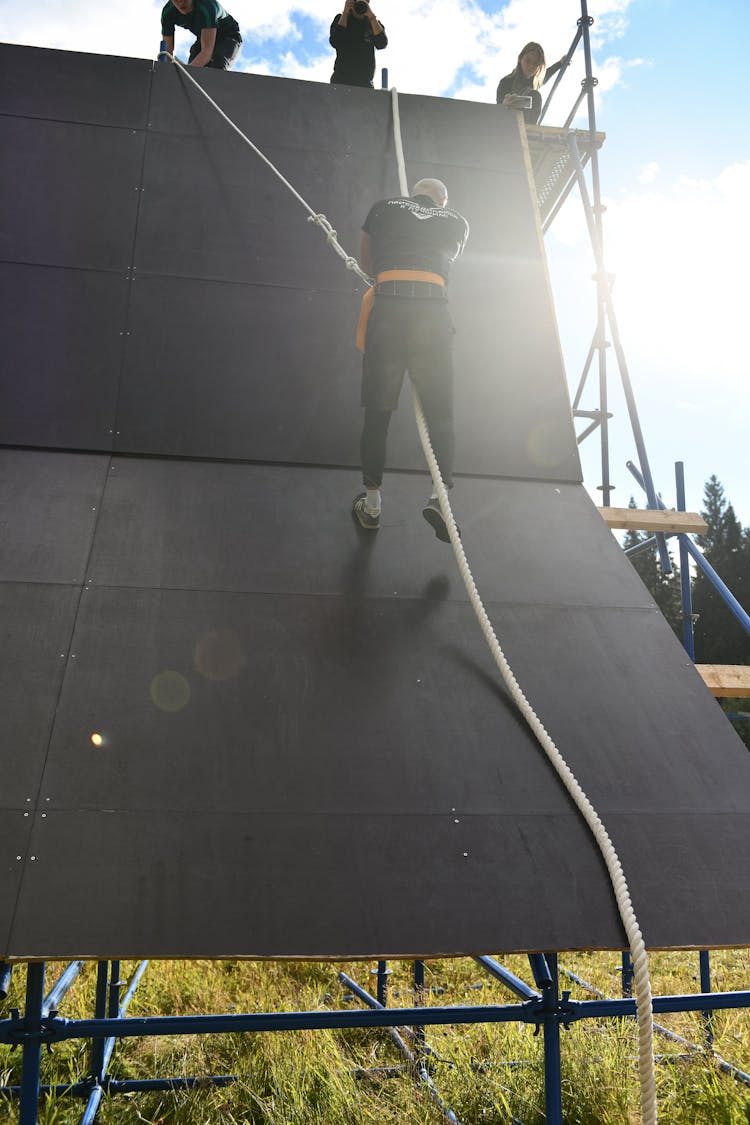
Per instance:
x=419, y=1033
x=552, y=1065
x=382, y=972
x=707, y=1016
x=100, y=1012
x=32, y=1047
x=627, y=973
x=688, y=632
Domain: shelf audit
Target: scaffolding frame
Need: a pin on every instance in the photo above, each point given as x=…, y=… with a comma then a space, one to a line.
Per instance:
x=545, y=1006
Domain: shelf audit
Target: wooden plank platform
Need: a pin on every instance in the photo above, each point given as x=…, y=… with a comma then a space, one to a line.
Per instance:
x=728, y=681
x=648, y=519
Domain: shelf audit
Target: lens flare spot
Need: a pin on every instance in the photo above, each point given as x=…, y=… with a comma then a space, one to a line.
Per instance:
x=170, y=691
x=219, y=655
x=97, y=739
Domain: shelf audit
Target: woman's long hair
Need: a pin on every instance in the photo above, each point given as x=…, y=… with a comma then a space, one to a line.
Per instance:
x=518, y=75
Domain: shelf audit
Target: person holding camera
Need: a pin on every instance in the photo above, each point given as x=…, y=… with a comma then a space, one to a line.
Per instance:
x=356, y=34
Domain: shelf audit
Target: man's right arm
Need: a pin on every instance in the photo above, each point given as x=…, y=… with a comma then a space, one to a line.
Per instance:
x=169, y=42
x=366, y=256
x=340, y=24
x=168, y=22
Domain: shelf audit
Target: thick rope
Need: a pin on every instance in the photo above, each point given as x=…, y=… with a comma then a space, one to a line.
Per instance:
x=638, y=952
x=587, y=810
x=402, y=181
x=350, y=262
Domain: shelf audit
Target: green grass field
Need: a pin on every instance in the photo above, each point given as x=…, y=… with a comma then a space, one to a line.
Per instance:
x=487, y=1074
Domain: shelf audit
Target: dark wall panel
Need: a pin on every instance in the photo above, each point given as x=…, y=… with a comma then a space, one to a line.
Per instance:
x=49, y=505
x=15, y=832
x=62, y=332
x=79, y=188
x=211, y=211
x=227, y=527
x=218, y=369
x=294, y=886
x=228, y=718
x=68, y=86
x=312, y=116
x=37, y=624
x=220, y=383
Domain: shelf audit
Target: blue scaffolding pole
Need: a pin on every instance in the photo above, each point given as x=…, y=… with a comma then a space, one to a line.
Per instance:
x=545, y=1007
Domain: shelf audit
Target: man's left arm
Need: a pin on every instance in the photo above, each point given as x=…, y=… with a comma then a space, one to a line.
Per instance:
x=379, y=37
x=377, y=31
x=208, y=42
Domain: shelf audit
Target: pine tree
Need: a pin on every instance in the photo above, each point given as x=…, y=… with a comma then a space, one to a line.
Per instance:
x=664, y=588
x=719, y=636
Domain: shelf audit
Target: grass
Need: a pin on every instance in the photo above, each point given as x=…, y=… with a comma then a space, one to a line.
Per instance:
x=487, y=1074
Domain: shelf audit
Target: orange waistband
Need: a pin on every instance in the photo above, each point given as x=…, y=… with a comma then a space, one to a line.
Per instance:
x=389, y=275
x=410, y=275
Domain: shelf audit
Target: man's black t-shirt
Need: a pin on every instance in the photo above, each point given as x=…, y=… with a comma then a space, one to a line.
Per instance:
x=206, y=14
x=355, y=51
x=414, y=234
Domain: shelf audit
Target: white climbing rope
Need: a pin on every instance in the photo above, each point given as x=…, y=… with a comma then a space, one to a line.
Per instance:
x=622, y=895
x=644, y=1007
x=587, y=810
x=403, y=183
x=350, y=262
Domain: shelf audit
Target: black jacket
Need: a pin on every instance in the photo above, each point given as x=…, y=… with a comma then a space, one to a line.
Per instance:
x=355, y=47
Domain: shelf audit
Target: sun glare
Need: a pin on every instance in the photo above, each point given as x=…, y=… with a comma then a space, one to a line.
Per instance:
x=679, y=262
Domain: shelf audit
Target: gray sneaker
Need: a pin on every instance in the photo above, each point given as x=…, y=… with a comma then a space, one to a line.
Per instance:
x=369, y=520
x=434, y=517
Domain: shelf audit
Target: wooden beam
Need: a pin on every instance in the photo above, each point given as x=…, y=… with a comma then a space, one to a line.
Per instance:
x=727, y=680
x=649, y=519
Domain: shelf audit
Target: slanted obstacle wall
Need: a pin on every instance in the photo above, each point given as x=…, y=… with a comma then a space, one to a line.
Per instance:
x=167, y=265
x=306, y=752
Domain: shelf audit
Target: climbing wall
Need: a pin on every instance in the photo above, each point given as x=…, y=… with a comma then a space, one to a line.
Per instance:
x=303, y=748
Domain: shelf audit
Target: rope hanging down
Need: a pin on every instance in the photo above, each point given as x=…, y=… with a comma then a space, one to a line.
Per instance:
x=614, y=868
x=319, y=220
x=644, y=1007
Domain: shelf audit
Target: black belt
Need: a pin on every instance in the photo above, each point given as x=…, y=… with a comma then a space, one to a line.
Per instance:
x=399, y=288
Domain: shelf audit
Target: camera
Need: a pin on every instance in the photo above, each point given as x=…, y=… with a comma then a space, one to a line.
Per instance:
x=360, y=7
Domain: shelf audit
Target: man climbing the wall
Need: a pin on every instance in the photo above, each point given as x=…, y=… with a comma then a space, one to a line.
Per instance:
x=356, y=34
x=217, y=34
x=408, y=246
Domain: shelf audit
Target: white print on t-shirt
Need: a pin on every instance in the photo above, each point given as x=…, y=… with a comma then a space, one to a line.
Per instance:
x=420, y=212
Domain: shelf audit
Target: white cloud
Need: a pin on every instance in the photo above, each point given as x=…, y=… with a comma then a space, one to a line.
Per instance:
x=649, y=173
x=434, y=45
x=679, y=257
x=85, y=25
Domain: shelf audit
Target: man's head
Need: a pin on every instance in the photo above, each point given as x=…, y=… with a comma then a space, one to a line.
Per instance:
x=435, y=189
x=183, y=6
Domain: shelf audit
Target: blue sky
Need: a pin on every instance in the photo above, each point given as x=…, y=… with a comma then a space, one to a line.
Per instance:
x=672, y=98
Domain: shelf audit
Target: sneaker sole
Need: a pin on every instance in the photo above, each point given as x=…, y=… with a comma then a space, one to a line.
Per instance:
x=437, y=523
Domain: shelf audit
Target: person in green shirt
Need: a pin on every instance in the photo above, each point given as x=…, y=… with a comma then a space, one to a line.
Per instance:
x=217, y=34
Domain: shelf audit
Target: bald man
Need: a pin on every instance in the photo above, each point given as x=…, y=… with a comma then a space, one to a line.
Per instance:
x=408, y=245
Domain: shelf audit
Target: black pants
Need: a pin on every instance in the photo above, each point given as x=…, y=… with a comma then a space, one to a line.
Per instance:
x=226, y=51
x=416, y=335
